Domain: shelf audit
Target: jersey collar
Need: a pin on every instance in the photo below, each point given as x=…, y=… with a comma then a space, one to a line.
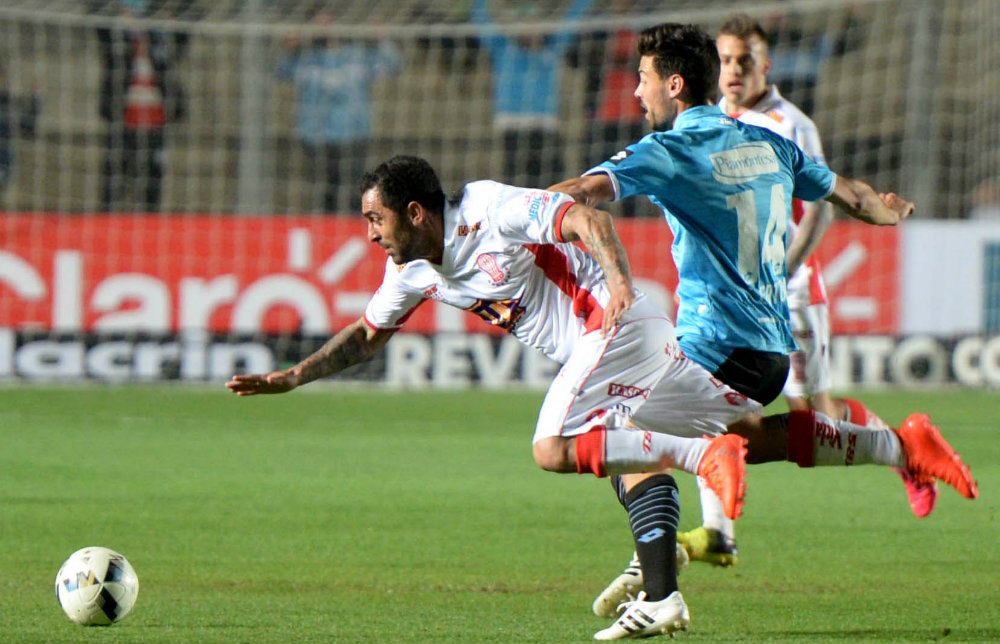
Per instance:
x=770, y=98
x=690, y=116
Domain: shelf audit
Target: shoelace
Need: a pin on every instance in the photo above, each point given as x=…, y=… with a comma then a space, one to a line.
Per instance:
x=625, y=605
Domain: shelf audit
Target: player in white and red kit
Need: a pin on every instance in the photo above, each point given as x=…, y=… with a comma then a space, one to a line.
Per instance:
x=507, y=255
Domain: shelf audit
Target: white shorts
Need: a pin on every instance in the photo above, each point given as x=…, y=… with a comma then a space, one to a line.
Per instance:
x=809, y=367
x=638, y=373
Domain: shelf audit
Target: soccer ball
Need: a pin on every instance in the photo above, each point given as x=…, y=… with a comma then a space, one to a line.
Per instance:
x=96, y=586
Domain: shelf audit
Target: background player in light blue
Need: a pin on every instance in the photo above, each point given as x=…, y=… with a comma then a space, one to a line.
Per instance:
x=726, y=189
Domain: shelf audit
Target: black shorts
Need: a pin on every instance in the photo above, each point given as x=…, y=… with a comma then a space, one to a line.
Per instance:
x=760, y=375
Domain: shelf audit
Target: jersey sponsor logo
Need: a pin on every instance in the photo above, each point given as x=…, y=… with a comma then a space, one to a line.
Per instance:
x=674, y=351
x=744, y=162
x=503, y=313
x=620, y=156
x=536, y=201
x=734, y=398
x=776, y=116
x=432, y=293
x=627, y=391
x=487, y=262
x=828, y=435
x=465, y=231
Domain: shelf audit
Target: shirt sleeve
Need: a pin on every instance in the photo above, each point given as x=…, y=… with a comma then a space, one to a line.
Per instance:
x=528, y=216
x=813, y=180
x=392, y=304
x=640, y=165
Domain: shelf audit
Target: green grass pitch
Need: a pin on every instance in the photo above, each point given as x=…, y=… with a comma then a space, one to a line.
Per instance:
x=333, y=515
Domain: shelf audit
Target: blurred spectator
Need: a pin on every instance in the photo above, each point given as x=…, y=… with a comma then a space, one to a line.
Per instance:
x=18, y=115
x=140, y=95
x=333, y=80
x=527, y=75
x=986, y=201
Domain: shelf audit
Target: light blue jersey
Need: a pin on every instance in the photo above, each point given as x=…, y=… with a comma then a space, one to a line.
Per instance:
x=726, y=190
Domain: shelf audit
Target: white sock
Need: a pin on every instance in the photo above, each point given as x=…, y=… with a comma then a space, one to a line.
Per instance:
x=712, y=514
x=838, y=442
x=629, y=450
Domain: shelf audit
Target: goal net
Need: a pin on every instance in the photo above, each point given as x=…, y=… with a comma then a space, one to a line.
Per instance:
x=177, y=177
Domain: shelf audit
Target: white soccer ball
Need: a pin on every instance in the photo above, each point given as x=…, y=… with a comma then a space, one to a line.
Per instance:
x=96, y=586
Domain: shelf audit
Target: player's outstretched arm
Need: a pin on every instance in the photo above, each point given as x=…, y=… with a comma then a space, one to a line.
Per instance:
x=354, y=344
x=597, y=232
x=591, y=190
x=862, y=202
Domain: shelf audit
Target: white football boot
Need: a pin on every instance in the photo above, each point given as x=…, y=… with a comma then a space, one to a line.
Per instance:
x=627, y=585
x=645, y=619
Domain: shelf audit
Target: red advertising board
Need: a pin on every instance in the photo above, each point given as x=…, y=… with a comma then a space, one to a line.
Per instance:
x=861, y=265
x=279, y=274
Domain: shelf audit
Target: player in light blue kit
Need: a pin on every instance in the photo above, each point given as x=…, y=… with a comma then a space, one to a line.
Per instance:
x=726, y=188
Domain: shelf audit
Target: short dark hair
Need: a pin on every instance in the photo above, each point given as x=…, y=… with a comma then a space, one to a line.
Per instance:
x=742, y=26
x=403, y=179
x=686, y=50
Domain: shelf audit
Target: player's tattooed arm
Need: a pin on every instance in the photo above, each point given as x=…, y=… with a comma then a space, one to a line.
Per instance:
x=352, y=345
x=597, y=232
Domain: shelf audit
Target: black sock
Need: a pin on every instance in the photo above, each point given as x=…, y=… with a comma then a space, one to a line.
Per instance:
x=654, y=511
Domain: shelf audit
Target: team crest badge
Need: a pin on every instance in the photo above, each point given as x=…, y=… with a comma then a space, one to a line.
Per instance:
x=487, y=262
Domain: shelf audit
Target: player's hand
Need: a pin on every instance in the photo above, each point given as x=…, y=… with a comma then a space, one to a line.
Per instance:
x=276, y=382
x=897, y=204
x=613, y=312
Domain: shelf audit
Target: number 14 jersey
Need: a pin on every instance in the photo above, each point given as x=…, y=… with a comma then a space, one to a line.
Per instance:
x=726, y=190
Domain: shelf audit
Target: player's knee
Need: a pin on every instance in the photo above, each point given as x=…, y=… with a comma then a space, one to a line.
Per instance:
x=553, y=454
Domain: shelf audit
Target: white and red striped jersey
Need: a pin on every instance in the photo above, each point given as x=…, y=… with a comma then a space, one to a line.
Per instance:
x=777, y=114
x=504, y=260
